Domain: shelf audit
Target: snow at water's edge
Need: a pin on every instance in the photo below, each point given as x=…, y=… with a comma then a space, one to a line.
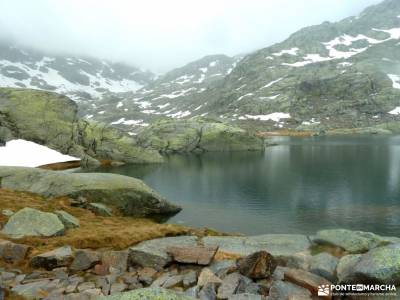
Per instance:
x=22, y=153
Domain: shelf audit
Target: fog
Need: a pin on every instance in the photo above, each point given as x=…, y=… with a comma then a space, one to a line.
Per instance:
x=160, y=35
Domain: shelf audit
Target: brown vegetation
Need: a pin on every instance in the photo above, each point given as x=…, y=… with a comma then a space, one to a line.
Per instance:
x=95, y=232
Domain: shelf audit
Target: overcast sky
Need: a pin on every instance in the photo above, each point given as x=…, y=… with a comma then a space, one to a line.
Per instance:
x=163, y=34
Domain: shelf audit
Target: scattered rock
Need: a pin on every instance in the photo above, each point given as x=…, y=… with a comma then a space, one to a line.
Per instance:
x=33, y=222
x=33, y=290
x=59, y=257
x=189, y=279
x=351, y=241
x=193, y=255
x=118, y=288
x=86, y=286
x=346, y=266
x=257, y=265
x=67, y=219
x=208, y=292
x=207, y=276
x=147, y=294
x=154, y=254
x=305, y=279
x=7, y=212
x=13, y=253
x=245, y=296
x=100, y=209
x=117, y=260
x=147, y=275
x=230, y=285
x=173, y=281
x=85, y=259
x=324, y=264
x=287, y=290
x=132, y=197
x=101, y=269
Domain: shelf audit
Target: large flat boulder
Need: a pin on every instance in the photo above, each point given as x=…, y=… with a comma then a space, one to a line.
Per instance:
x=131, y=196
x=32, y=222
x=281, y=246
x=352, y=241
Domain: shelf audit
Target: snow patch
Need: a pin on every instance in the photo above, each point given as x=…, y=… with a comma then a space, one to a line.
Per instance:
x=395, y=79
x=276, y=117
x=292, y=51
x=24, y=153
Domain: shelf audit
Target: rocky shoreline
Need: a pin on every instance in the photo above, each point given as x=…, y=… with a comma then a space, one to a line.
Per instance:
x=272, y=266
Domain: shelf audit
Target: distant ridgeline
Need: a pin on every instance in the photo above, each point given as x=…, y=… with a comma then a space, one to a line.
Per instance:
x=334, y=75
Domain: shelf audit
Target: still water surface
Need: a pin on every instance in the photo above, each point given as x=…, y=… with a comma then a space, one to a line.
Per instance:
x=299, y=186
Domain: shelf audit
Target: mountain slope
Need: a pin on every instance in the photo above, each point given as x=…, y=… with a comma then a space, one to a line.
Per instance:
x=333, y=75
x=172, y=95
x=77, y=77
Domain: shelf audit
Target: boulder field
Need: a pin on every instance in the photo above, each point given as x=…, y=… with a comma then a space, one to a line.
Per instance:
x=272, y=267
x=130, y=196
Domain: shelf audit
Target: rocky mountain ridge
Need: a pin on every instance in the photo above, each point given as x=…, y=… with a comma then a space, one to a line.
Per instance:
x=81, y=78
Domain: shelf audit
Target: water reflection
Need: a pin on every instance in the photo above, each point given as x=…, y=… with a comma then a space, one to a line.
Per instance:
x=299, y=186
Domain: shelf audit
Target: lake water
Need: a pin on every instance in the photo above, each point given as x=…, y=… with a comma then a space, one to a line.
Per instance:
x=299, y=186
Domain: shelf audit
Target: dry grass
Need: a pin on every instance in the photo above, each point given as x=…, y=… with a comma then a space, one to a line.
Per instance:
x=95, y=232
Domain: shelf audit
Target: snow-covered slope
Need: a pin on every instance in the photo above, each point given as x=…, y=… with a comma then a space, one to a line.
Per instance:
x=77, y=77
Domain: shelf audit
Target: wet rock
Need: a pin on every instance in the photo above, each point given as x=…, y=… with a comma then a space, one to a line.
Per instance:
x=67, y=219
x=305, y=279
x=59, y=257
x=208, y=292
x=257, y=265
x=99, y=209
x=193, y=255
x=33, y=222
x=351, y=241
x=207, y=276
x=154, y=254
x=84, y=260
x=324, y=265
x=300, y=260
x=117, y=260
x=146, y=294
x=13, y=253
x=287, y=290
x=230, y=285
x=380, y=265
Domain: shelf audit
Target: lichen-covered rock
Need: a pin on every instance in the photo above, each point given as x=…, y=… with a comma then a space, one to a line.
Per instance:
x=324, y=264
x=13, y=253
x=32, y=222
x=178, y=136
x=99, y=209
x=85, y=259
x=380, y=265
x=129, y=195
x=51, y=119
x=351, y=241
x=147, y=294
x=258, y=265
